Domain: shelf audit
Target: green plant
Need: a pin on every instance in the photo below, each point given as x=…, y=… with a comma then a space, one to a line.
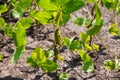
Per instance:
x=58, y=13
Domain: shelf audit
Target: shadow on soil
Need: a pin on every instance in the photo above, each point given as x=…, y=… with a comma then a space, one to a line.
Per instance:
x=11, y=78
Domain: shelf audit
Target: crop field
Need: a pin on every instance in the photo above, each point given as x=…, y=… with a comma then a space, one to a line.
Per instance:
x=59, y=39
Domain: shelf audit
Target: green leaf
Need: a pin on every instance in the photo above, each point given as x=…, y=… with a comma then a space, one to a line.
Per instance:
x=17, y=12
x=31, y=62
x=90, y=1
x=23, y=4
x=65, y=19
x=38, y=56
x=67, y=41
x=26, y=22
x=109, y=64
x=63, y=76
x=18, y=53
x=113, y=29
x=95, y=47
x=88, y=65
x=79, y=21
x=19, y=35
x=47, y=5
x=110, y=4
x=96, y=27
x=87, y=22
x=49, y=66
x=42, y=16
x=3, y=8
x=2, y=22
x=8, y=30
x=98, y=12
x=72, y=44
x=87, y=47
x=1, y=57
x=84, y=37
x=60, y=2
x=72, y=6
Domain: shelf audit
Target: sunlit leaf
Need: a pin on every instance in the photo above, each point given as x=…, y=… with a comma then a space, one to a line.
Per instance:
x=19, y=35
x=87, y=65
x=72, y=6
x=63, y=76
x=109, y=64
x=18, y=53
x=49, y=66
x=38, y=56
x=3, y=8
x=95, y=47
x=2, y=22
x=1, y=57
x=113, y=29
x=79, y=21
x=31, y=62
x=26, y=22
x=47, y=5
x=72, y=44
x=42, y=16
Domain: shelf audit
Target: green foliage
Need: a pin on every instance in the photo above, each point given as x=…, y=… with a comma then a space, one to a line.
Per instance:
x=79, y=21
x=95, y=47
x=58, y=13
x=39, y=59
x=63, y=76
x=2, y=22
x=18, y=53
x=20, y=6
x=19, y=36
x=1, y=57
x=113, y=29
x=76, y=4
x=42, y=16
x=112, y=65
x=110, y=4
x=3, y=8
x=97, y=23
x=72, y=44
x=88, y=65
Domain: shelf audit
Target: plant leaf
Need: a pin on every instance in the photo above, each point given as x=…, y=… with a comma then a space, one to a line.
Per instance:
x=1, y=57
x=109, y=64
x=63, y=76
x=47, y=5
x=72, y=6
x=96, y=27
x=18, y=53
x=3, y=8
x=2, y=22
x=31, y=62
x=72, y=44
x=42, y=16
x=95, y=47
x=38, y=56
x=113, y=29
x=88, y=65
x=49, y=66
x=79, y=21
x=26, y=22
x=19, y=35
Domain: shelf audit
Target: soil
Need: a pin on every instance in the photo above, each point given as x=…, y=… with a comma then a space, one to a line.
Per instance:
x=43, y=36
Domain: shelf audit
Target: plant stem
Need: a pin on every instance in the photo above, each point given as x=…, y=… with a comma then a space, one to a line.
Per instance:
x=56, y=25
x=105, y=46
